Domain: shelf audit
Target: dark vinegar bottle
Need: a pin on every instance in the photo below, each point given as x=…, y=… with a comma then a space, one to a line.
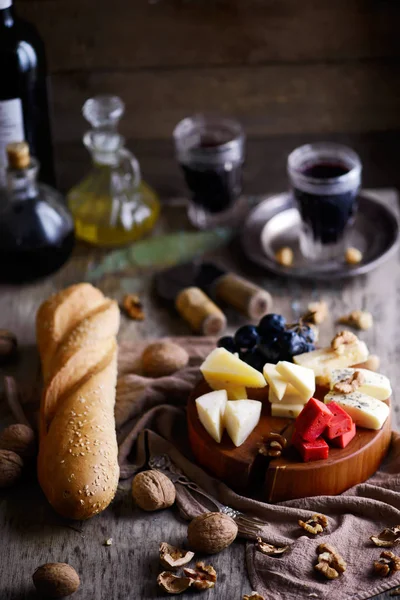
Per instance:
x=24, y=106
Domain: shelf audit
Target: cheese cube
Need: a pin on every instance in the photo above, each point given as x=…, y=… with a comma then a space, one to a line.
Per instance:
x=222, y=367
x=241, y=417
x=365, y=411
x=301, y=378
x=291, y=411
x=323, y=361
x=211, y=409
x=276, y=382
x=291, y=396
x=235, y=392
x=375, y=385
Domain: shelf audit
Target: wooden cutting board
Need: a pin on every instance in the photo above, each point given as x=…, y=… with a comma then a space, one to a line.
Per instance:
x=286, y=477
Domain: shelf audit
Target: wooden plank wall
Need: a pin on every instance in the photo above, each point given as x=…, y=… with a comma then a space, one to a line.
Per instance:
x=291, y=71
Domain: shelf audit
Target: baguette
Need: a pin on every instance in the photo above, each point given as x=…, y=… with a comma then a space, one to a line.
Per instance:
x=78, y=453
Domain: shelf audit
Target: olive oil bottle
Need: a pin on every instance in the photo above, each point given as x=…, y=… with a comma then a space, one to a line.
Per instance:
x=111, y=206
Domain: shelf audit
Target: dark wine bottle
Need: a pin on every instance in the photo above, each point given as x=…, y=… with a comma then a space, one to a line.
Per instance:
x=24, y=106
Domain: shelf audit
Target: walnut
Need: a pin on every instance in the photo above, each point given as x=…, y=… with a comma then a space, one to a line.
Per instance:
x=11, y=466
x=212, y=532
x=387, y=564
x=315, y=525
x=330, y=563
x=173, y=584
x=8, y=346
x=387, y=538
x=273, y=445
x=350, y=384
x=20, y=439
x=253, y=596
x=133, y=307
x=360, y=319
x=284, y=256
x=270, y=549
x=173, y=557
x=353, y=256
x=203, y=576
x=341, y=340
x=152, y=490
x=56, y=580
x=163, y=358
x=316, y=313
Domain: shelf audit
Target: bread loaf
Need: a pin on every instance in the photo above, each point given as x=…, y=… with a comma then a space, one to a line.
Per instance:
x=77, y=464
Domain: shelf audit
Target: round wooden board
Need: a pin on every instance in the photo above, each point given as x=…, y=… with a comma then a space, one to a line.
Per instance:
x=284, y=478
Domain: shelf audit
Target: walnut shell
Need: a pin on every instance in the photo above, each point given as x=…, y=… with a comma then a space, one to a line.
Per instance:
x=11, y=466
x=20, y=439
x=211, y=532
x=163, y=358
x=56, y=580
x=152, y=490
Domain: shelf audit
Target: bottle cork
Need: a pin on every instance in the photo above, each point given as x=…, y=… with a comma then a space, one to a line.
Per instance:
x=243, y=295
x=200, y=312
x=18, y=155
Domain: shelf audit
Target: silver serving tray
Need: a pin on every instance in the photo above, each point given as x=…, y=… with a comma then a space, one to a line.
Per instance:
x=275, y=223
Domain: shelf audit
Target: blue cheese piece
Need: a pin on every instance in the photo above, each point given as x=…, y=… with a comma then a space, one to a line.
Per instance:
x=374, y=384
x=365, y=411
x=280, y=409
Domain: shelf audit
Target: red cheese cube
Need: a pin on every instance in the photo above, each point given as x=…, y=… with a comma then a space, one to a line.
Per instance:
x=341, y=422
x=341, y=441
x=313, y=419
x=315, y=450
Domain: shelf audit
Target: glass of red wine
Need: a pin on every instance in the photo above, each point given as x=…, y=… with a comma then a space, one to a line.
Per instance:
x=325, y=179
x=210, y=150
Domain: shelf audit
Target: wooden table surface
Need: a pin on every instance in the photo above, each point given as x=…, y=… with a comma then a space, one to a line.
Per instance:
x=32, y=534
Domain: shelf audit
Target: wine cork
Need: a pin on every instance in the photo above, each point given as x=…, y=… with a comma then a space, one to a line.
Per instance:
x=243, y=295
x=200, y=312
x=18, y=155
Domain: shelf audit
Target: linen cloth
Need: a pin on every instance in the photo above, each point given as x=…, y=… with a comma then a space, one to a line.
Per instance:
x=151, y=420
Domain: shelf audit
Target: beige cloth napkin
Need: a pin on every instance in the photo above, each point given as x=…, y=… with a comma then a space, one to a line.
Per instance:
x=151, y=421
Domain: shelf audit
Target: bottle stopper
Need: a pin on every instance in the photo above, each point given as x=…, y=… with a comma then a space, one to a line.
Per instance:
x=200, y=312
x=243, y=295
x=18, y=155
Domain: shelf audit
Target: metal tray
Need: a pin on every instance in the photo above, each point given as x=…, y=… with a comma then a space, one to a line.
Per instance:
x=275, y=223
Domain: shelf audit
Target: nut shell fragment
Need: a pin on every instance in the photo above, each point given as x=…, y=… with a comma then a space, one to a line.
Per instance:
x=203, y=576
x=173, y=557
x=133, y=307
x=317, y=312
x=270, y=549
x=315, y=525
x=387, y=538
x=173, y=584
x=212, y=532
x=152, y=490
x=360, y=319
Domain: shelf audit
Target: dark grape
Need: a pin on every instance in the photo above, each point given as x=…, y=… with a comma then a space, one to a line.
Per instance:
x=254, y=358
x=271, y=322
x=308, y=333
x=270, y=350
x=228, y=343
x=290, y=344
x=246, y=336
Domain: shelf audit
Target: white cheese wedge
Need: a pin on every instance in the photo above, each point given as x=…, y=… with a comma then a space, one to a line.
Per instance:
x=323, y=361
x=292, y=396
x=211, y=409
x=277, y=383
x=221, y=367
x=286, y=410
x=365, y=411
x=375, y=385
x=301, y=378
x=241, y=416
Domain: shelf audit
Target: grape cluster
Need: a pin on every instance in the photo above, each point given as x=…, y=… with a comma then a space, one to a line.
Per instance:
x=269, y=342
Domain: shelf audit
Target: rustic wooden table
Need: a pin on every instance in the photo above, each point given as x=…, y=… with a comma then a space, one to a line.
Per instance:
x=32, y=534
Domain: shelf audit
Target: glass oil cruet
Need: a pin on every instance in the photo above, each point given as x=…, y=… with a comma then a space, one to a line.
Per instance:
x=111, y=206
